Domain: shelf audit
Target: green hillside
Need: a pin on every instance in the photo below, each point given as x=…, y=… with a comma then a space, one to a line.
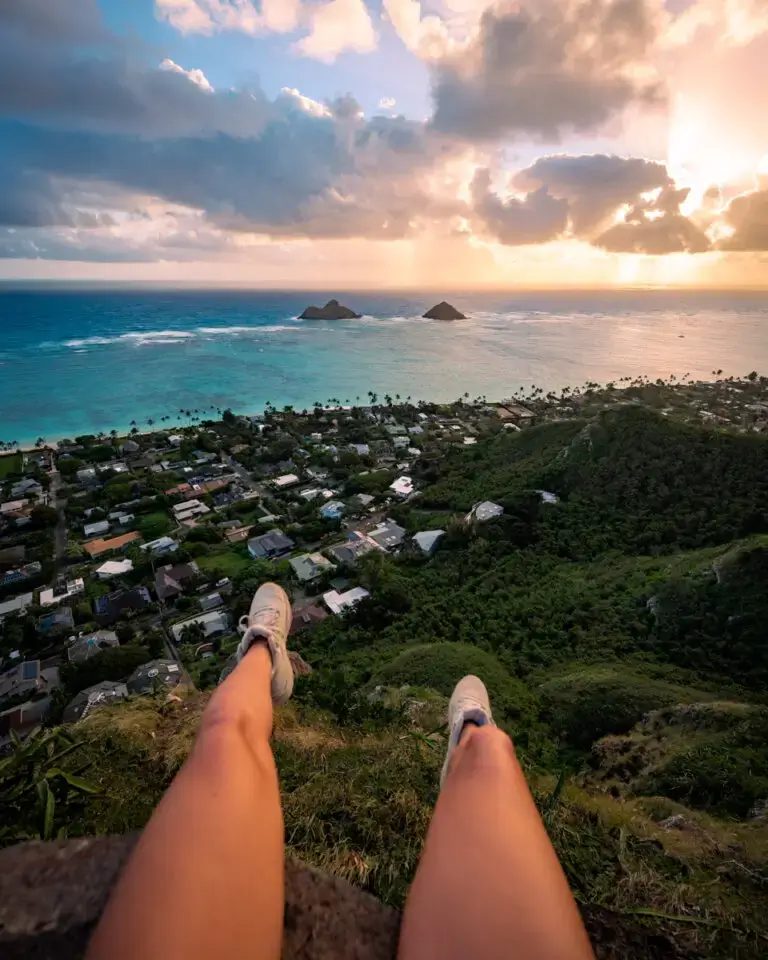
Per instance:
x=621, y=632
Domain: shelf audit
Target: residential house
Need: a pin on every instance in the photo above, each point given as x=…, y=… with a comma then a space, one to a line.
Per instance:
x=96, y=529
x=400, y=443
x=166, y=673
x=304, y=618
x=361, y=501
x=270, y=545
x=395, y=429
x=28, y=487
x=15, y=605
x=189, y=509
x=99, y=695
x=402, y=487
x=547, y=497
x=361, y=449
x=61, y=592
x=484, y=511
x=169, y=580
x=95, y=548
x=20, y=721
x=20, y=574
x=310, y=494
x=214, y=623
x=22, y=680
x=88, y=645
x=114, y=568
x=15, y=508
x=339, y=602
x=130, y=447
x=388, y=535
x=310, y=566
x=175, y=440
x=211, y=602
x=333, y=510
x=161, y=546
x=86, y=476
x=512, y=410
x=470, y=441
x=121, y=519
x=237, y=534
x=415, y=431
x=116, y=605
x=117, y=467
x=357, y=545
x=59, y=620
x=286, y=481
x=428, y=540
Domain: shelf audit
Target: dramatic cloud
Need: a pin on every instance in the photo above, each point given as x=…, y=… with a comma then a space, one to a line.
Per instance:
x=595, y=185
x=426, y=36
x=545, y=68
x=313, y=170
x=535, y=218
x=331, y=27
x=337, y=26
x=209, y=16
x=88, y=83
x=747, y=217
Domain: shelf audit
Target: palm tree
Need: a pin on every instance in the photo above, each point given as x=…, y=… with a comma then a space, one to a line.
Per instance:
x=40, y=442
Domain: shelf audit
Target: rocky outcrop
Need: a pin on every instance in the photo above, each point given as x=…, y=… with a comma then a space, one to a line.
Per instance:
x=444, y=311
x=333, y=310
x=52, y=894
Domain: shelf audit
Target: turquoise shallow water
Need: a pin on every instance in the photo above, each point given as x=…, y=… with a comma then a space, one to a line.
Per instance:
x=79, y=361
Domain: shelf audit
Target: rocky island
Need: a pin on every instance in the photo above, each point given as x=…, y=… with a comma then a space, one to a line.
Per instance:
x=333, y=310
x=444, y=311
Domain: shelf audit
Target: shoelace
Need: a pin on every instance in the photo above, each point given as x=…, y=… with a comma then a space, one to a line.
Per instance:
x=265, y=617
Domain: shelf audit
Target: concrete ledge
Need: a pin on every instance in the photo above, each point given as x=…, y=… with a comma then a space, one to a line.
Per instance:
x=52, y=894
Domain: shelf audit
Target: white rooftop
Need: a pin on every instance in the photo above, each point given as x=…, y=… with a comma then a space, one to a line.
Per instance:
x=114, y=568
x=287, y=480
x=338, y=602
x=403, y=486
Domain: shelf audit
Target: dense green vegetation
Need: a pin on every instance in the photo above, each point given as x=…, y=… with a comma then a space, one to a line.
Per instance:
x=621, y=632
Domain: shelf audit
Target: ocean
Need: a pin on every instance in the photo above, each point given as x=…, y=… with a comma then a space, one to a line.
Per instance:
x=76, y=361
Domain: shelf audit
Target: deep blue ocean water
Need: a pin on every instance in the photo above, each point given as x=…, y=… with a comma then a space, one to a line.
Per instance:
x=75, y=361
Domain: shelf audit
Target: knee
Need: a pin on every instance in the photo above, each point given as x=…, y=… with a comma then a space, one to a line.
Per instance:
x=484, y=749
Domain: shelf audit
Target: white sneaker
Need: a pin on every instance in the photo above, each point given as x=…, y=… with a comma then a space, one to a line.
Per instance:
x=469, y=704
x=270, y=619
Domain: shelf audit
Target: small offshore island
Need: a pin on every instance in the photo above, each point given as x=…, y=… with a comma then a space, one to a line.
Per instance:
x=333, y=310
x=444, y=311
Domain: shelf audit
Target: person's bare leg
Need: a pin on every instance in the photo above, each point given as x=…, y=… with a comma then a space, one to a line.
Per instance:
x=489, y=883
x=207, y=877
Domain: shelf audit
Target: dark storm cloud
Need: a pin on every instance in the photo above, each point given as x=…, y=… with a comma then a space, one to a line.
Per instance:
x=544, y=68
x=536, y=218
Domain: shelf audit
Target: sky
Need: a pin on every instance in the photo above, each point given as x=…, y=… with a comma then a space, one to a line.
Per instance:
x=385, y=143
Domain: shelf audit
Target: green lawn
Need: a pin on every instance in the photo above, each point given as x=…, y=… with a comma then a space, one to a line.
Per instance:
x=231, y=562
x=11, y=463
